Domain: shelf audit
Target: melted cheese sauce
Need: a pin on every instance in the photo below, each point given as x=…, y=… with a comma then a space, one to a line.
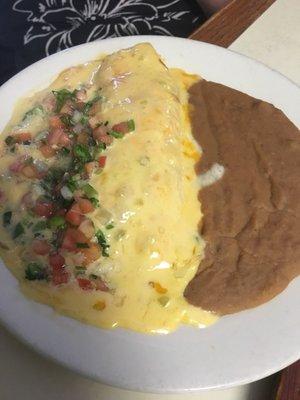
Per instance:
x=148, y=189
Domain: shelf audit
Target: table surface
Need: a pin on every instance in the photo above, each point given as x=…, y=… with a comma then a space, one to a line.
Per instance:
x=274, y=39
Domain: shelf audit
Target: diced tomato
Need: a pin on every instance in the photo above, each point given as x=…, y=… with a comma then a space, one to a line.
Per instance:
x=64, y=140
x=90, y=167
x=101, y=285
x=40, y=247
x=17, y=165
x=44, y=209
x=54, y=136
x=67, y=108
x=100, y=134
x=87, y=228
x=78, y=236
x=55, y=122
x=93, y=121
x=85, y=206
x=100, y=130
x=60, y=277
x=73, y=236
x=91, y=254
x=29, y=171
x=56, y=261
x=47, y=151
x=85, y=284
x=106, y=139
x=58, y=137
x=122, y=127
x=82, y=138
x=80, y=105
x=69, y=243
x=74, y=215
x=102, y=161
x=61, y=212
x=94, y=109
x=22, y=137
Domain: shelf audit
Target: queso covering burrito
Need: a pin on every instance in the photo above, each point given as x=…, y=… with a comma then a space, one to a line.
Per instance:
x=99, y=194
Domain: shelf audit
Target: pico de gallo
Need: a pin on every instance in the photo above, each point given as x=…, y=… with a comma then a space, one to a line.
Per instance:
x=54, y=218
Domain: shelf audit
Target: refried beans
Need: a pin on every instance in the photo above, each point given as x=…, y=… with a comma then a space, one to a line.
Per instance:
x=251, y=221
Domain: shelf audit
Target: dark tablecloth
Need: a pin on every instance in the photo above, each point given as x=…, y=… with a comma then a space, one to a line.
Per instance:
x=33, y=29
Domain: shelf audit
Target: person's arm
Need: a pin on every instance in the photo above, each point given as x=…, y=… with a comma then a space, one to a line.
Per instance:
x=211, y=6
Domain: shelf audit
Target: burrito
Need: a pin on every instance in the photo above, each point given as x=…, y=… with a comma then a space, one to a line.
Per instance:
x=99, y=196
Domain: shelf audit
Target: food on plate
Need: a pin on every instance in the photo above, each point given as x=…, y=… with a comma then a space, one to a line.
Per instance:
x=99, y=194
x=251, y=214
x=104, y=178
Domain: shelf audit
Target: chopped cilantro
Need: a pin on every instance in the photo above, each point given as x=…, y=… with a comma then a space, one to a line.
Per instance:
x=65, y=203
x=9, y=140
x=82, y=245
x=39, y=226
x=34, y=111
x=62, y=96
x=72, y=184
x=109, y=226
x=7, y=218
x=57, y=222
x=95, y=202
x=89, y=191
x=84, y=120
x=82, y=152
x=131, y=125
x=27, y=221
x=67, y=120
x=54, y=176
x=88, y=105
x=99, y=148
x=77, y=166
x=35, y=271
x=64, y=151
x=18, y=231
x=117, y=135
x=103, y=243
x=56, y=173
x=79, y=270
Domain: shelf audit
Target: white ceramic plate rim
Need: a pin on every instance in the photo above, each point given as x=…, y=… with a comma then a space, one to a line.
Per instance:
x=238, y=349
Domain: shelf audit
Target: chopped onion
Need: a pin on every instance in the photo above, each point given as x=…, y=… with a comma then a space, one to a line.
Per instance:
x=41, y=166
x=78, y=128
x=104, y=216
x=77, y=116
x=87, y=227
x=66, y=193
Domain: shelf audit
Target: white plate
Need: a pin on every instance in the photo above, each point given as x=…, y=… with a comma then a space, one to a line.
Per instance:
x=239, y=348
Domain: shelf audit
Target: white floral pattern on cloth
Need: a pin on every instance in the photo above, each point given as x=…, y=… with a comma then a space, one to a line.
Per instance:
x=65, y=23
